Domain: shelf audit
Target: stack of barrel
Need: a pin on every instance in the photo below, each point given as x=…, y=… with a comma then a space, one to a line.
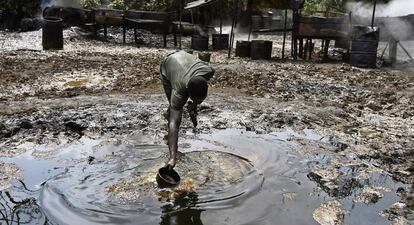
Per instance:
x=256, y=49
x=201, y=43
x=265, y=22
x=364, y=45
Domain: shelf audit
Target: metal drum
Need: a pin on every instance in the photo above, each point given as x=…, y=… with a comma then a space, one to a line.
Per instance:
x=52, y=33
x=257, y=22
x=267, y=22
x=261, y=49
x=243, y=48
x=364, y=45
x=276, y=22
x=199, y=42
x=220, y=41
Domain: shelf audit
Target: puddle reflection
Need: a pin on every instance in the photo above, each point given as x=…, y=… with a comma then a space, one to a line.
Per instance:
x=183, y=211
x=20, y=209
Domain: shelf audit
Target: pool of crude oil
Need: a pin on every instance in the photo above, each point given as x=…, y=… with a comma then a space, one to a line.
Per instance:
x=228, y=177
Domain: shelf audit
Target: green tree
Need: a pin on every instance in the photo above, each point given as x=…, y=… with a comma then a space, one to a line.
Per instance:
x=93, y=3
x=312, y=6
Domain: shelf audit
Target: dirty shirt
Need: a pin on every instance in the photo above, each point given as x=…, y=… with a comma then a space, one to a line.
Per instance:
x=177, y=70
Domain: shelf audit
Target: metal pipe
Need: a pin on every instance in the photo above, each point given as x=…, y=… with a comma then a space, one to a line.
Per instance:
x=221, y=20
x=284, y=36
x=373, y=14
x=385, y=49
x=235, y=22
x=405, y=50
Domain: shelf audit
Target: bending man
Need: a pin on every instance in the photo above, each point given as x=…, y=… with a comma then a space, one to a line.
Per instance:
x=183, y=76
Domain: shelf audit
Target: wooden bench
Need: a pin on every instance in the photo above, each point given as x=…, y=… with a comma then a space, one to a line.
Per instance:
x=157, y=22
x=105, y=18
x=313, y=27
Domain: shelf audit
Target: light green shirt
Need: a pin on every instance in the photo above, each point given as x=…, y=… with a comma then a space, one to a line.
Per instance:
x=177, y=70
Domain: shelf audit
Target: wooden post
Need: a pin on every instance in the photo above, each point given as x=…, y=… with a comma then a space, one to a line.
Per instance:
x=164, y=37
x=124, y=28
x=284, y=35
x=310, y=49
x=179, y=25
x=326, y=49
x=250, y=9
x=295, y=33
x=124, y=34
x=305, y=51
x=393, y=51
x=232, y=28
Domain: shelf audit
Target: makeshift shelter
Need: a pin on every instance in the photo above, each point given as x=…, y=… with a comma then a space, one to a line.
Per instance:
x=251, y=5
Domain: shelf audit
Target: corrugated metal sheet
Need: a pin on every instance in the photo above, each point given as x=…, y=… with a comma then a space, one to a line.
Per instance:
x=199, y=3
x=278, y=4
x=257, y=4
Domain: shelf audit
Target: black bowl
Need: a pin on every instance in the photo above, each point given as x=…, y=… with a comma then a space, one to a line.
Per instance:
x=167, y=178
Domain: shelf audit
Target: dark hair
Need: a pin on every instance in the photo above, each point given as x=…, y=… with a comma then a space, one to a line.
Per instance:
x=198, y=87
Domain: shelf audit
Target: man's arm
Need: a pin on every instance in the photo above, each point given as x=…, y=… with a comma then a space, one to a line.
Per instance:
x=173, y=128
x=167, y=89
x=192, y=111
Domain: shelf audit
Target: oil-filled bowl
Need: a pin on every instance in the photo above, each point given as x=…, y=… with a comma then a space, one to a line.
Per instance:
x=167, y=178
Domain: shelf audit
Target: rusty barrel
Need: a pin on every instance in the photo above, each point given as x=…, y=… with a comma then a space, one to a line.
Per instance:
x=199, y=42
x=261, y=49
x=220, y=41
x=266, y=22
x=52, y=33
x=276, y=22
x=364, y=45
x=257, y=22
x=243, y=48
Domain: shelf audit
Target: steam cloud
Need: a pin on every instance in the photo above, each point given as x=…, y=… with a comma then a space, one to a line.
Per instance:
x=63, y=3
x=394, y=18
x=393, y=8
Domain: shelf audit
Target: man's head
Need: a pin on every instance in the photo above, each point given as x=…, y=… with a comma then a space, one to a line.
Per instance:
x=197, y=89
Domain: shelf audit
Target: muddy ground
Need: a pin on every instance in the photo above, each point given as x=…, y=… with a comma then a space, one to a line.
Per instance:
x=104, y=88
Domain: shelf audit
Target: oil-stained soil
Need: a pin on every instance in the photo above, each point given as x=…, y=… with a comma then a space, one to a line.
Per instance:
x=350, y=130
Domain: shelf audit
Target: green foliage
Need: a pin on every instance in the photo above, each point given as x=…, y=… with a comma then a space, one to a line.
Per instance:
x=214, y=9
x=338, y=6
x=312, y=6
x=148, y=5
x=25, y=8
x=92, y=3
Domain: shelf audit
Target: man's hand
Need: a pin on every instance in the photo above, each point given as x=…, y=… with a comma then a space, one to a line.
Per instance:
x=171, y=164
x=192, y=111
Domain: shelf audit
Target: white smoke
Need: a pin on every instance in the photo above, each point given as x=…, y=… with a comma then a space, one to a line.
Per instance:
x=62, y=3
x=393, y=8
x=394, y=18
